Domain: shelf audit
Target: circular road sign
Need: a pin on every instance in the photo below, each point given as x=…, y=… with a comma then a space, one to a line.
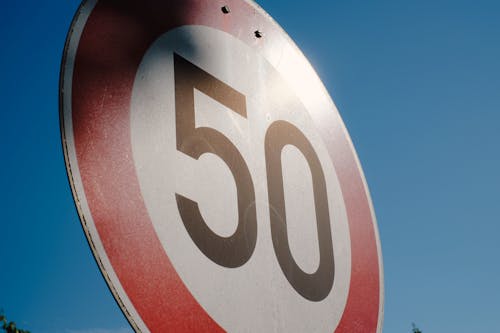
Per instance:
x=216, y=183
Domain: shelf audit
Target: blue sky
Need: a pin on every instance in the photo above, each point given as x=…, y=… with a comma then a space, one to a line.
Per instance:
x=418, y=86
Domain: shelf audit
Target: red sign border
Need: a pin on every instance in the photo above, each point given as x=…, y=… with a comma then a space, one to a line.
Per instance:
x=102, y=80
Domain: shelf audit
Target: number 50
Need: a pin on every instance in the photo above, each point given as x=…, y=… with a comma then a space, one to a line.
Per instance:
x=236, y=250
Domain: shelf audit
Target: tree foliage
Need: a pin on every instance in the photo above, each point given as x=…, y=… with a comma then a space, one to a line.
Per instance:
x=9, y=326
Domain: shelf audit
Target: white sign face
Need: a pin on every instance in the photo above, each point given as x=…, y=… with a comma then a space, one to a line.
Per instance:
x=214, y=178
x=235, y=297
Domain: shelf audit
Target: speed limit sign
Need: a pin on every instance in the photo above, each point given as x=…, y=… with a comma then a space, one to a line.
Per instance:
x=215, y=181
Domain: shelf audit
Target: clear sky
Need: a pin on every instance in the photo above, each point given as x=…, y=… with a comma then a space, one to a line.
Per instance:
x=418, y=86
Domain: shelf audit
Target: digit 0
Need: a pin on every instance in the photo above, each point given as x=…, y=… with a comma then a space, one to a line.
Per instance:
x=315, y=286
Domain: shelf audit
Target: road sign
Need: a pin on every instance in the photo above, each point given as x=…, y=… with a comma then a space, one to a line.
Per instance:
x=215, y=181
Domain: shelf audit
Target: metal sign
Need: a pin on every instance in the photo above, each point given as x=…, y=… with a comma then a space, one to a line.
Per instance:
x=213, y=176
